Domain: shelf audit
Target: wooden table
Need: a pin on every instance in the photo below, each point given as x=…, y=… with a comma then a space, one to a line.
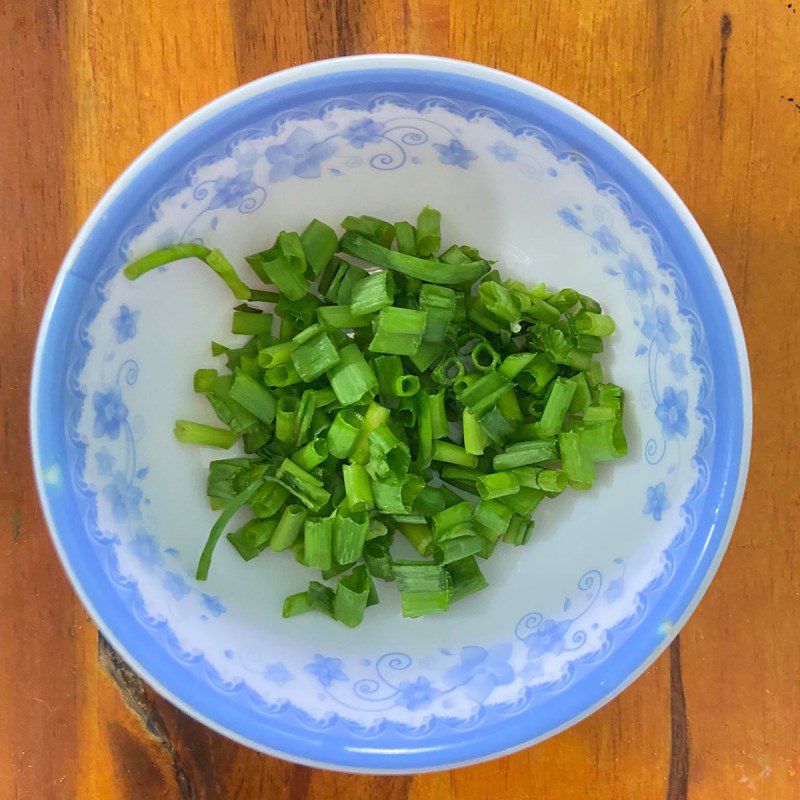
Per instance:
x=708, y=90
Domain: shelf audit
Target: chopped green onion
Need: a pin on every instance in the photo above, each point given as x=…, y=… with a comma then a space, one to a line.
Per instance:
x=315, y=357
x=344, y=432
x=453, y=454
x=429, y=236
x=207, y=435
x=352, y=379
x=466, y=578
x=372, y=294
x=357, y=487
x=497, y=484
x=253, y=537
x=372, y=228
x=253, y=396
x=349, y=535
x=288, y=529
x=399, y=331
x=406, y=236
x=318, y=542
x=320, y=244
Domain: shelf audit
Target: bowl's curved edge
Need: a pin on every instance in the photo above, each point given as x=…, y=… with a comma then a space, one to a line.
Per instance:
x=443, y=65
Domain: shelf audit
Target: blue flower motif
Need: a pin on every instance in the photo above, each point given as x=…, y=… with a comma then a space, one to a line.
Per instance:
x=230, y=191
x=547, y=638
x=109, y=413
x=657, y=502
x=176, y=585
x=671, y=412
x=636, y=279
x=615, y=589
x=300, y=155
x=363, y=131
x=570, y=218
x=418, y=694
x=278, y=674
x=677, y=363
x=455, y=154
x=145, y=548
x=326, y=670
x=105, y=462
x=124, y=324
x=124, y=498
x=503, y=152
x=606, y=239
x=657, y=326
x=481, y=670
x=213, y=605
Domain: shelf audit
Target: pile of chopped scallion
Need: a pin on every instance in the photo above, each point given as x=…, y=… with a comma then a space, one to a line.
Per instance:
x=407, y=390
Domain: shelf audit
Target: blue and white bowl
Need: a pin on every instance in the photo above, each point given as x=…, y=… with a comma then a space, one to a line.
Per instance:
x=569, y=620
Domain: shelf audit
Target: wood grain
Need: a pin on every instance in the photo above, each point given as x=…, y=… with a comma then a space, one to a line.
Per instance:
x=708, y=90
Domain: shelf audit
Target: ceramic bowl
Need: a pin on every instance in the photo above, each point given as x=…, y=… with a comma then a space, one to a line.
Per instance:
x=570, y=619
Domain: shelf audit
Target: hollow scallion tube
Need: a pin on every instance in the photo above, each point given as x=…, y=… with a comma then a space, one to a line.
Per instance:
x=288, y=528
x=429, y=236
x=556, y=407
x=320, y=243
x=497, y=484
x=594, y=324
x=358, y=487
x=375, y=416
x=373, y=293
x=318, y=541
x=342, y=317
x=453, y=454
x=349, y=535
x=352, y=378
x=406, y=237
x=344, y=432
x=286, y=419
x=206, y=435
x=399, y=331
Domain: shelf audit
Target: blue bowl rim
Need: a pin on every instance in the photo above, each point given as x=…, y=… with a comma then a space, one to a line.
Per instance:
x=413, y=758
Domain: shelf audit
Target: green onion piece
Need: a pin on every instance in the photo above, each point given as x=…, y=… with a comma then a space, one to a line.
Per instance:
x=427, y=354
x=439, y=426
x=344, y=279
x=357, y=487
x=288, y=529
x=253, y=396
x=417, y=604
x=420, y=576
x=315, y=357
x=454, y=549
x=419, y=535
x=448, y=371
x=397, y=497
x=268, y=499
x=594, y=324
x=440, y=304
x=496, y=425
x=524, y=502
x=349, y=535
x=594, y=375
x=484, y=393
x=344, y=432
x=596, y=415
x=453, y=454
x=475, y=438
x=342, y=317
x=429, y=501
x=311, y=455
x=204, y=380
x=300, y=313
x=253, y=537
x=320, y=244
x=282, y=375
x=603, y=442
x=589, y=344
x=465, y=578
x=406, y=385
x=419, y=268
x=494, y=516
x=318, y=542
x=582, y=398
x=542, y=369
x=372, y=228
x=548, y=480
x=556, y=407
x=484, y=357
x=375, y=416
x=352, y=378
x=352, y=596
x=424, y=429
x=262, y=296
x=276, y=354
x=283, y=265
x=232, y=506
x=206, y=435
x=389, y=458
x=378, y=558
x=388, y=369
x=577, y=465
x=296, y=604
x=497, y=484
x=399, y=331
x=479, y=314
x=519, y=531
x=406, y=237
x=167, y=255
x=514, y=364
x=524, y=453
x=373, y=293
x=564, y=300
x=304, y=486
x=589, y=304
x=286, y=419
x=429, y=235
x=508, y=406
x=249, y=324
x=451, y=517
x=500, y=302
